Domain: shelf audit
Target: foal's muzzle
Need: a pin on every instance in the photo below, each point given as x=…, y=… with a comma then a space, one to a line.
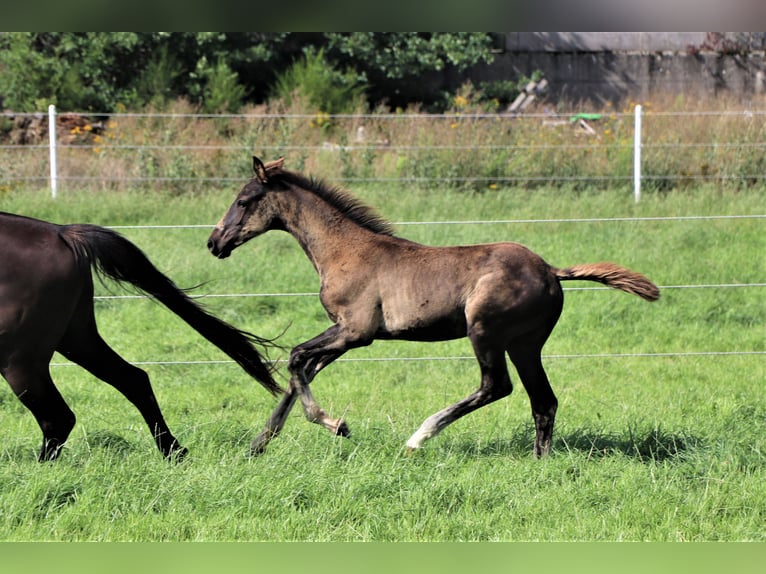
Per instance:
x=217, y=246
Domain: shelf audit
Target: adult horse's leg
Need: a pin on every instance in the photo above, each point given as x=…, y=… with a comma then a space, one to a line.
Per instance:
x=529, y=365
x=32, y=384
x=495, y=384
x=83, y=345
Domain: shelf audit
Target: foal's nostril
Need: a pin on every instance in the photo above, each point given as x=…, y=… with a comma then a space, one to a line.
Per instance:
x=210, y=244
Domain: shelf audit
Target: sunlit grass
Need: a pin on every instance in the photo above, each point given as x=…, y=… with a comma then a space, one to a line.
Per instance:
x=646, y=447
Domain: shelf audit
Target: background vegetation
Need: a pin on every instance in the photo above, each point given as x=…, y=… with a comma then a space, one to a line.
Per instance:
x=686, y=143
x=105, y=72
x=339, y=105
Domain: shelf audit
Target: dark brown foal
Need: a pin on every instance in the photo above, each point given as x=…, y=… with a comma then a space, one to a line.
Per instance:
x=502, y=296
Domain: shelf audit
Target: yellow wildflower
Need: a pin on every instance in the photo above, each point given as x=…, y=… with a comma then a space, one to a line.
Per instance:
x=460, y=101
x=321, y=119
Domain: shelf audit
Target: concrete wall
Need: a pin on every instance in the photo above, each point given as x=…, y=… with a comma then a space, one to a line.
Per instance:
x=601, y=41
x=603, y=66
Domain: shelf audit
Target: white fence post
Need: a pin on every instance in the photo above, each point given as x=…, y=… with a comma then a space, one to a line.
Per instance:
x=637, y=156
x=52, y=145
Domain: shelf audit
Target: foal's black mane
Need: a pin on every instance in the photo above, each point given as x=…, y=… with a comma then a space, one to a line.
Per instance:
x=342, y=200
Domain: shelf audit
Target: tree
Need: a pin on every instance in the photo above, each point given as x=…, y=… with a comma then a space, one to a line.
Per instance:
x=394, y=64
x=72, y=70
x=97, y=71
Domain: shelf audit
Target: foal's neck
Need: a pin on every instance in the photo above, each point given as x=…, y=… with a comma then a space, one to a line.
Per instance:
x=320, y=229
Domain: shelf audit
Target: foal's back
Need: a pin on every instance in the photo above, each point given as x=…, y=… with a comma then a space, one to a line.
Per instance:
x=432, y=293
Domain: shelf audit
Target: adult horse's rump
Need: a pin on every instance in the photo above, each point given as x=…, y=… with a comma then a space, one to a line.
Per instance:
x=46, y=305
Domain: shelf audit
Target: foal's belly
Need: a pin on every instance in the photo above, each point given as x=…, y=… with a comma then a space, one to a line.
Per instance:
x=419, y=329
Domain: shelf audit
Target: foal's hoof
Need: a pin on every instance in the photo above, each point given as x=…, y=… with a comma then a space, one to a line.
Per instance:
x=541, y=453
x=258, y=446
x=542, y=450
x=50, y=451
x=257, y=450
x=411, y=450
x=342, y=429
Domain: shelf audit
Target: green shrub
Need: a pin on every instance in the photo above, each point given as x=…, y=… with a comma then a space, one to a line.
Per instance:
x=155, y=84
x=324, y=88
x=223, y=92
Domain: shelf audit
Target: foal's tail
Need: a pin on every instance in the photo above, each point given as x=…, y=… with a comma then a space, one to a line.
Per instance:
x=112, y=255
x=613, y=276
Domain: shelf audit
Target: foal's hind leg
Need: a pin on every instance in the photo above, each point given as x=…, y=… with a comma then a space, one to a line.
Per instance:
x=544, y=404
x=83, y=345
x=495, y=384
x=34, y=387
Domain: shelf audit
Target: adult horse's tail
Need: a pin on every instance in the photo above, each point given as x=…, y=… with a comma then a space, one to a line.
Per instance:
x=112, y=255
x=613, y=276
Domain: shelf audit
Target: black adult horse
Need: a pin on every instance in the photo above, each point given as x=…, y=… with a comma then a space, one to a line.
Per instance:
x=502, y=296
x=46, y=305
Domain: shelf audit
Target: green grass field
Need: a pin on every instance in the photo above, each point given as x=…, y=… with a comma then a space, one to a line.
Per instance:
x=661, y=423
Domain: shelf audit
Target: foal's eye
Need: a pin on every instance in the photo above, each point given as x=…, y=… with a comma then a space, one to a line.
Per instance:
x=241, y=203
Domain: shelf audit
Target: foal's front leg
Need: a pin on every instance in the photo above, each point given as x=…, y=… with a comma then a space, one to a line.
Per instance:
x=315, y=414
x=306, y=360
x=276, y=421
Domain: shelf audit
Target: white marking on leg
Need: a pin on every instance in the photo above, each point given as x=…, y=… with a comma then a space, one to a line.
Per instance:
x=426, y=431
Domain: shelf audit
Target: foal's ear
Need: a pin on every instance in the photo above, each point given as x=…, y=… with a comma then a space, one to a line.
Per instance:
x=275, y=166
x=259, y=170
x=262, y=171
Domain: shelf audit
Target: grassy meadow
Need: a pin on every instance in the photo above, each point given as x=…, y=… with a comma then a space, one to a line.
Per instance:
x=659, y=436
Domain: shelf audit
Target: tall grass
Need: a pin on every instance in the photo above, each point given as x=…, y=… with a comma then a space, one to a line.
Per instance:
x=660, y=448
x=685, y=143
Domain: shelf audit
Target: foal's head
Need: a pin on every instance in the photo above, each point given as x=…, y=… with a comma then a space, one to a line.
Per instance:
x=252, y=213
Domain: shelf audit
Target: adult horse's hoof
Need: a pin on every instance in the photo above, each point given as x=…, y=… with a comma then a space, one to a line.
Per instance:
x=177, y=454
